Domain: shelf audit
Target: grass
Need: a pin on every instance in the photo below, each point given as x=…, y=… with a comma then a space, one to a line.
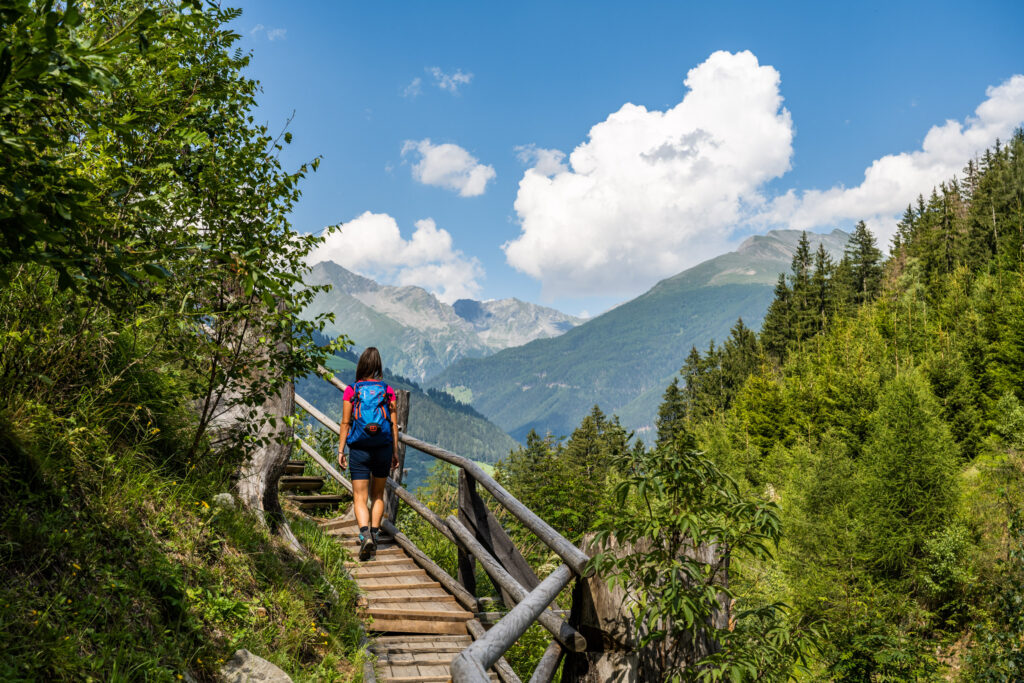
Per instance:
x=115, y=566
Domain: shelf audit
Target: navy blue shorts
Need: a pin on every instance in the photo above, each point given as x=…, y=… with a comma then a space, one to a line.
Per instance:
x=375, y=460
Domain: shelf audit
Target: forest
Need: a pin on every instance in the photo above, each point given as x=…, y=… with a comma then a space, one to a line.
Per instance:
x=859, y=459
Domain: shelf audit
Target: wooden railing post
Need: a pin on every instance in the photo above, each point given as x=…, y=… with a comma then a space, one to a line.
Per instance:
x=486, y=529
x=402, y=415
x=467, y=565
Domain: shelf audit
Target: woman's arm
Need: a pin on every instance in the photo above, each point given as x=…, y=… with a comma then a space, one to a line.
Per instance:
x=394, y=436
x=346, y=422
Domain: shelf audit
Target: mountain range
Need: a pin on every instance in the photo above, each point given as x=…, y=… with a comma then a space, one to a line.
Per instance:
x=623, y=359
x=417, y=334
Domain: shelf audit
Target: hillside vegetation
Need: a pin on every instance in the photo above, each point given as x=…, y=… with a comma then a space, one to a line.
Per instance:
x=148, y=274
x=860, y=460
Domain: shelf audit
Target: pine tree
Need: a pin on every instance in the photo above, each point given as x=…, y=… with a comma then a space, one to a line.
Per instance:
x=803, y=313
x=777, y=328
x=865, y=263
x=821, y=287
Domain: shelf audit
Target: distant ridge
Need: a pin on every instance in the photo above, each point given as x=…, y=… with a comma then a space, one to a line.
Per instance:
x=623, y=359
x=419, y=335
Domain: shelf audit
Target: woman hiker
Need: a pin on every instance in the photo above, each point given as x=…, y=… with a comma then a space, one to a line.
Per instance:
x=368, y=428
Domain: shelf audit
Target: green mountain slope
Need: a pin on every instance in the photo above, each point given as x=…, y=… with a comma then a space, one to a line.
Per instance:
x=623, y=359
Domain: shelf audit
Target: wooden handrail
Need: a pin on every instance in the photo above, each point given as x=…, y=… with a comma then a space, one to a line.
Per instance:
x=470, y=665
x=569, y=637
x=570, y=554
x=326, y=466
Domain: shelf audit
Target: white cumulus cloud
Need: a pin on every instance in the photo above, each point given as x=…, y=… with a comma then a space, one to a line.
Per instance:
x=448, y=166
x=547, y=162
x=893, y=181
x=372, y=245
x=449, y=81
x=653, y=192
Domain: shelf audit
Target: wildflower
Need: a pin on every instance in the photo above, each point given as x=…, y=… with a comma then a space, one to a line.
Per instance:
x=206, y=505
x=154, y=430
x=76, y=566
x=69, y=601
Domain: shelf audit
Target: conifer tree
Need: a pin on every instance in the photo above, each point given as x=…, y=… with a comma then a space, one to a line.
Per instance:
x=777, y=328
x=803, y=313
x=865, y=263
x=822, y=286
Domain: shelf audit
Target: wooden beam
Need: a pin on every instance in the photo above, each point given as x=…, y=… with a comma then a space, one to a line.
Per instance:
x=424, y=512
x=565, y=634
x=501, y=667
x=472, y=663
x=317, y=415
x=485, y=527
x=548, y=664
x=465, y=598
x=466, y=563
x=324, y=465
x=329, y=376
x=402, y=416
x=573, y=556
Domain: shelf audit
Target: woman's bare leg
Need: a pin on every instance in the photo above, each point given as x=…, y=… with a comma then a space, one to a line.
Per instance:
x=377, y=486
x=360, y=492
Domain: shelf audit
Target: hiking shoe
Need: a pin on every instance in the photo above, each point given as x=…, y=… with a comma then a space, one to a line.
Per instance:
x=366, y=546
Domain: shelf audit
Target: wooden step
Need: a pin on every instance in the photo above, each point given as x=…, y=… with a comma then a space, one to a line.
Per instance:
x=338, y=523
x=317, y=501
x=360, y=573
x=295, y=483
x=398, y=586
x=414, y=625
x=411, y=601
x=430, y=615
x=404, y=640
x=394, y=561
x=295, y=467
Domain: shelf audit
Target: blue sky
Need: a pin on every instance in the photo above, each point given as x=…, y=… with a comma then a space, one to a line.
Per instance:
x=785, y=98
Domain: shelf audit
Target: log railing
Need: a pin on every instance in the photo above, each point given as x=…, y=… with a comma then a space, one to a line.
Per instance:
x=502, y=562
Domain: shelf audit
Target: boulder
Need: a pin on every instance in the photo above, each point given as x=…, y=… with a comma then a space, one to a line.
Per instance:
x=245, y=666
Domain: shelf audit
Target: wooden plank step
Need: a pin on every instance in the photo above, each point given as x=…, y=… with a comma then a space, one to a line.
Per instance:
x=439, y=615
x=338, y=523
x=417, y=658
x=383, y=601
x=386, y=561
x=376, y=588
x=294, y=483
x=463, y=640
x=384, y=573
x=313, y=501
x=393, y=625
x=295, y=467
x=450, y=652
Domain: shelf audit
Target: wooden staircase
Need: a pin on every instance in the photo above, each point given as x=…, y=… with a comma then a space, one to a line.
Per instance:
x=416, y=626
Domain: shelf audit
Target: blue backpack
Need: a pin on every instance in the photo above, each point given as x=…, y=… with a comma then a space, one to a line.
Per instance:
x=371, y=425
